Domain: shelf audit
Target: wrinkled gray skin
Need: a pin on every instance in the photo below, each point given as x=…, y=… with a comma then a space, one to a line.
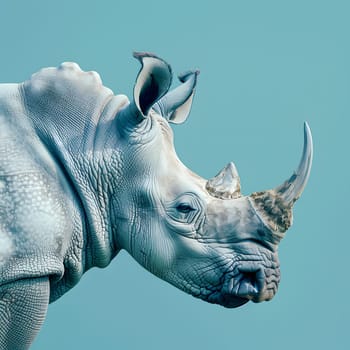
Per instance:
x=85, y=173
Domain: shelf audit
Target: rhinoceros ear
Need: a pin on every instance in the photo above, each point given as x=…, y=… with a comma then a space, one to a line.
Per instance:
x=152, y=83
x=175, y=106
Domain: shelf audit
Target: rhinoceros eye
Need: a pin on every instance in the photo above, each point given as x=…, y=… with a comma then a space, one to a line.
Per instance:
x=184, y=208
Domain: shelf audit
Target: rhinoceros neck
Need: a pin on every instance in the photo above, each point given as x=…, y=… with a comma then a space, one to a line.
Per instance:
x=80, y=138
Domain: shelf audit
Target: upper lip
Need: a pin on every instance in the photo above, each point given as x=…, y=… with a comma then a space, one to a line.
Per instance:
x=247, y=284
x=248, y=281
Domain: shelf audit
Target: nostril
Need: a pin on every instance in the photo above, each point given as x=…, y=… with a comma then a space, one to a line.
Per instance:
x=249, y=277
x=252, y=281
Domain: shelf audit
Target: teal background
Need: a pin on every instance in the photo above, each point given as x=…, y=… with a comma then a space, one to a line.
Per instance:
x=266, y=66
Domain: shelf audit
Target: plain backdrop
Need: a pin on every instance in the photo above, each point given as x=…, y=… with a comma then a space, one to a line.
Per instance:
x=266, y=66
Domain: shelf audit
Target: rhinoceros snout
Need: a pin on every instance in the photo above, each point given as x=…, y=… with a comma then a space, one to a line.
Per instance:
x=254, y=282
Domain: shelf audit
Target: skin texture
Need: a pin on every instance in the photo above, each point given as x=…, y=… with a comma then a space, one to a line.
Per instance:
x=23, y=306
x=85, y=173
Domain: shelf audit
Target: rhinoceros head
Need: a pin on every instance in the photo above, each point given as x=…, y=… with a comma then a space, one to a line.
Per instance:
x=204, y=237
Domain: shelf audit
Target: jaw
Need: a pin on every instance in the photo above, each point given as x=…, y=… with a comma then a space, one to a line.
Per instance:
x=236, y=280
x=228, y=300
x=238, y=292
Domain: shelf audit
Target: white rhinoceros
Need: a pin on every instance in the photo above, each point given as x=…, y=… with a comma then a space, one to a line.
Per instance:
x=85, y=173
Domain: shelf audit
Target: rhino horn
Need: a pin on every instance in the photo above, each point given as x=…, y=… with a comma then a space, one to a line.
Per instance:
x=226, y=184
x=274, y=206
x=292, y=189
x=175, y=106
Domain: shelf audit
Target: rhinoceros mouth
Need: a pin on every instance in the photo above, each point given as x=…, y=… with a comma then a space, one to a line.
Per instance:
x=251, y=282
x=232, y=301
x=241, y=289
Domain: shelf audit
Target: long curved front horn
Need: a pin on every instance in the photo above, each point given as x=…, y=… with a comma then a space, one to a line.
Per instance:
x=292, y=189
x=274, y=207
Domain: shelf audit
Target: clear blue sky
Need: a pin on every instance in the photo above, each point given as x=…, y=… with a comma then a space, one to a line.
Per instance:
x=266, y=66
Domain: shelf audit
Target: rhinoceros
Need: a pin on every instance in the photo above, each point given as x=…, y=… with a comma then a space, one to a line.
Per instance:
x=85, y=173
